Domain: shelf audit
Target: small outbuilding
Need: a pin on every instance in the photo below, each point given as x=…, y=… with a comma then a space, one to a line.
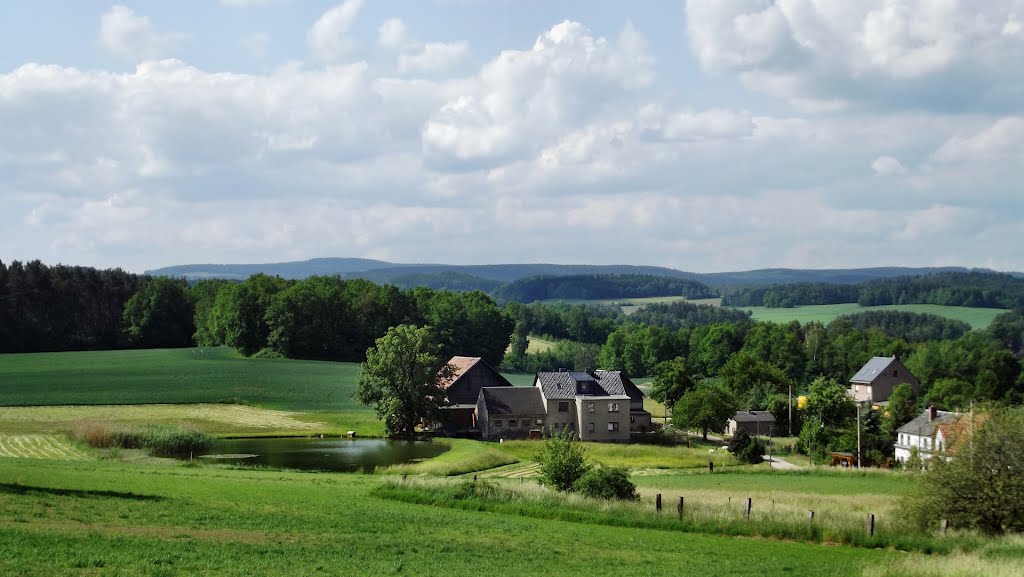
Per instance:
x=509, y=412
x=755, y=423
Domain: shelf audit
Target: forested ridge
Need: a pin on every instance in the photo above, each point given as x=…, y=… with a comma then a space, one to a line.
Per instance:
x=599, y=286
x=966, y=289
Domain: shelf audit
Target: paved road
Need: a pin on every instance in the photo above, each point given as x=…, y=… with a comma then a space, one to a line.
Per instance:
x=778, y=463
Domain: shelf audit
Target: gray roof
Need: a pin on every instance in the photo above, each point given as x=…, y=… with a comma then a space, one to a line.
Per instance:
x=566, y=384
x=754, y=417
x=872, y=369
x=512, y=400
x=923, y=427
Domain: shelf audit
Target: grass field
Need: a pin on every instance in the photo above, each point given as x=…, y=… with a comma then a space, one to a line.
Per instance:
x=107, y=518
x=976, y=317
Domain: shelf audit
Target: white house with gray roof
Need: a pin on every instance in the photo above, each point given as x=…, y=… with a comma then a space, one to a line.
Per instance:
x=926, y=433
x=874, y=382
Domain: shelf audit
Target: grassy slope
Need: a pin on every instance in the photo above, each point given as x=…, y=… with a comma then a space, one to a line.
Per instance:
x=976, y=317
x=78, y=520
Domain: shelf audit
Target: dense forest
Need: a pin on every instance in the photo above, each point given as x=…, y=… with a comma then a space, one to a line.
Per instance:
x=791, y=295
x=966, y=289
x=599, y=286
x=991, y=290
x=911, y=327
x=62, y=308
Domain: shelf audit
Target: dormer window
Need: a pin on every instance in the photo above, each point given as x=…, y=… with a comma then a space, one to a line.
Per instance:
x=585, y=386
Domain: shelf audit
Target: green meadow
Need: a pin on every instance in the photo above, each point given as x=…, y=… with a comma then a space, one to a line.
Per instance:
x=110, y=518
x=978, y=318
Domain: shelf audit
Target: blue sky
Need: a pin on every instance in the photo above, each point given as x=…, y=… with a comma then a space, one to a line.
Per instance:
x=704, y=135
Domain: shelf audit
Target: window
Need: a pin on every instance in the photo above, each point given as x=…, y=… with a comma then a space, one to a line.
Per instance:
x=613, y=407
x=584, y=386
x=613, y=426
x=590, y=427
x=563, y=406
x=632, y=419
x=895, y=372
x=497, y=424
x=590, y=406
x=525, y=422
x=540, y=422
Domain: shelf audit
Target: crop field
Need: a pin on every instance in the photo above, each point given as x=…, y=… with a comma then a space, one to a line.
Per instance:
x=976, y=317
x=101, y=517
x=214, y=418
x=197, y=375
x=39, y=447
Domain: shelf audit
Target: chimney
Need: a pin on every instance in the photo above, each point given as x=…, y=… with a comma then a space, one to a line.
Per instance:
x=932, y=413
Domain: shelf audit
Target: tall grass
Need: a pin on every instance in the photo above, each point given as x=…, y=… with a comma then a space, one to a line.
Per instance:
x=159, y=440
x=535, y=501
x=1002, y=557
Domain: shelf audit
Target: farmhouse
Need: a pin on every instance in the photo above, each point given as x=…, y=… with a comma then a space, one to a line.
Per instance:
x=928, y=433
x=593, y=405
x=463, y=388
x=875, y=381
x=753, y=422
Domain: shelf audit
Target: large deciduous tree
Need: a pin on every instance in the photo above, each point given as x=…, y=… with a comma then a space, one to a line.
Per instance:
x=708, y=407
x=981, y=487
x=160, y=315
x=672, y=380
x=401, y=379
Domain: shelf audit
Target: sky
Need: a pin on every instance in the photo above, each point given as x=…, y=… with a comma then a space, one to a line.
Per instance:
x=705, y=135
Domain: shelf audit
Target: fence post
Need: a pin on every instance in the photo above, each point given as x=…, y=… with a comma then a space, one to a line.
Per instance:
x=680, y=508
x=871, y=525
x=944, y=525
x=657, y=503
x=810, y=516
x=746, y=514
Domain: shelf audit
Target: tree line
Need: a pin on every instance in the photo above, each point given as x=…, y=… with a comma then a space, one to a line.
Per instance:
x=967, y=289
x=62, y=308
x=599, y=286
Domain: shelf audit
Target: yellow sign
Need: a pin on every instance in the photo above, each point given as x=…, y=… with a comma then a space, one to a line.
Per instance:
x=801, y=402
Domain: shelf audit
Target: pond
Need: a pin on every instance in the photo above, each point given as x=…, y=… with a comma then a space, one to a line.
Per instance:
x=344, y=455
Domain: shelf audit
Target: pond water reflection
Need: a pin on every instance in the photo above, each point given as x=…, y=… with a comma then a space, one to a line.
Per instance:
x=322, y=454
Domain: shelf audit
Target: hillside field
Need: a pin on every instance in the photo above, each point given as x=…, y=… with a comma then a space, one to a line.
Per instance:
x=978, y=318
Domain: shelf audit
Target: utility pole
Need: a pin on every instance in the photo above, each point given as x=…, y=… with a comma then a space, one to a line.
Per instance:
x=790, y=409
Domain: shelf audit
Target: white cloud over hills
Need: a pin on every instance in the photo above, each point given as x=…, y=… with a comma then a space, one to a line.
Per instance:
x=566, y=149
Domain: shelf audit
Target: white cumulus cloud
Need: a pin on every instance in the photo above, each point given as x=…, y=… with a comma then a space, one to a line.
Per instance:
x=328, y=38
x=126, y=34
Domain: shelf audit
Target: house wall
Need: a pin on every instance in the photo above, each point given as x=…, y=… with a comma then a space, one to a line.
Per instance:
x=926, y=446
x=598, y=419
x=752, y=428
x=512, y=426
x=639, y=421
x=558, y=420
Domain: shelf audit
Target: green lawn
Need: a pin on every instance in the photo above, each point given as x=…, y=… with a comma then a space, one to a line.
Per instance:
x=976, y=317
x=108, y=518
x=197, y=375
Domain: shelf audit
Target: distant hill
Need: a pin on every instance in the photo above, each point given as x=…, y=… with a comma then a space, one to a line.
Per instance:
x=437, y=275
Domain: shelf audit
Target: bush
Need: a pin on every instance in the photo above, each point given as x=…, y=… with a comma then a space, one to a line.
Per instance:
x=745, y=448
x=268, y=353
x=562, y=462
x=607, y=483
x=160, y=440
